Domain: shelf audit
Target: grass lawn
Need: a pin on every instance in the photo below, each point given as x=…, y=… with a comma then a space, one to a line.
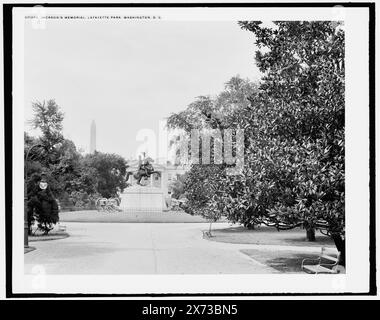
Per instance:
x=268, y=235
x=155, y=217
x=282, y=261
x=29, y=249
x=52, y=235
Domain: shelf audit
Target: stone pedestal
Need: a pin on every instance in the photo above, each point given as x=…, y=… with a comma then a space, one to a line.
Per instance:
x=142, y=199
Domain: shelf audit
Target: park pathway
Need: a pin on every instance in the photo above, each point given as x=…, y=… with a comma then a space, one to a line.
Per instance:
x=140, y=248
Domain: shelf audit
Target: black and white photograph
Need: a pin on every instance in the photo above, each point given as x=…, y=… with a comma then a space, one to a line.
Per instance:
x=190, y=150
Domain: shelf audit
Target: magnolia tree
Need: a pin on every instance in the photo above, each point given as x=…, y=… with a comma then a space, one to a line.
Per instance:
x=294, y=173
x=293, y=123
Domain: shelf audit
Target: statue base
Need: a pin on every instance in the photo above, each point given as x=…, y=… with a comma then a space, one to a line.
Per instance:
x=142, y=199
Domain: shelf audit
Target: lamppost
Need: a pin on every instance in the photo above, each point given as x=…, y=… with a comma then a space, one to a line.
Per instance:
x=26, y=225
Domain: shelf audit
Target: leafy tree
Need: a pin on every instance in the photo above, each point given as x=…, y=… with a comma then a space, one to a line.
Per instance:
x=70, y=173
x=74, y=179
x=206, y=186
x=177, y=187
x=110, y=172
x=32, y=189
x=35, y=155
x=42, y=205
x=203, y=190
x=294, y=134
x=220, y=112
x=41, y=154
x=48, y=119
x=47, y=211
x=295, y=171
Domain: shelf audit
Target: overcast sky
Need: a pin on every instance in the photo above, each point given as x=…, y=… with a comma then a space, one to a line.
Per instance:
x=127, y=75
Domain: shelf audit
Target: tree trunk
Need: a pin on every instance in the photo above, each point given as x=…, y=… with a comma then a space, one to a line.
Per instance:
x=209, y=230
x=341, y=247
x=310, y=234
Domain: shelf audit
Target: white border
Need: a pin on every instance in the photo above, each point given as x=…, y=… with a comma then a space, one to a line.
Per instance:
x=357, y=171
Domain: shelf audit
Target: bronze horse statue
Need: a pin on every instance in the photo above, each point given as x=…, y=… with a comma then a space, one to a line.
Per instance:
x=145, y=170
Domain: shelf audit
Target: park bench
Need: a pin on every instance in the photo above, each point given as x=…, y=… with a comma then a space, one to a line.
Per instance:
x=107, y=205
x=316, y=266
x=176, y=204
x=206, y=233
x=61, y=227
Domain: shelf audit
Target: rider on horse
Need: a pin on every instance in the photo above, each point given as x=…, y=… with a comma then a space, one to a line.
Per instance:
x=144, y=170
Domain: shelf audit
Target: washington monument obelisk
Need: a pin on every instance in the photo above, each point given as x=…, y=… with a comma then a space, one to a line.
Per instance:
x=93, y=137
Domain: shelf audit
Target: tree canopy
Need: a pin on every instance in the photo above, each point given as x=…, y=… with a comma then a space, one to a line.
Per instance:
x=293, y=122
x=75, y=179
x=296, y=138
x=110, y=172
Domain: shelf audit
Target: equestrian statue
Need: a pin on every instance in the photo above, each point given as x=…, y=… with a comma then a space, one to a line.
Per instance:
x=144, y=170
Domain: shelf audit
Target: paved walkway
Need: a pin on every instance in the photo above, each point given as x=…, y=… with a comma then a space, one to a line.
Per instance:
x=140, y=248
x=136, y=217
